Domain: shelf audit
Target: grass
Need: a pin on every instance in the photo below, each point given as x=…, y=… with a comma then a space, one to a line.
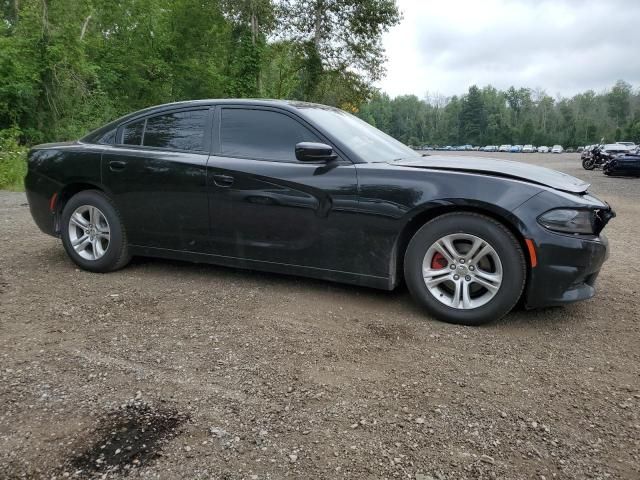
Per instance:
x=13, y=164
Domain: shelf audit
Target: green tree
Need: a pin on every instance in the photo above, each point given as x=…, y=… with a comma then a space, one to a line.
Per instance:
x=473, y=117
x=340, y=37
x=619, y=102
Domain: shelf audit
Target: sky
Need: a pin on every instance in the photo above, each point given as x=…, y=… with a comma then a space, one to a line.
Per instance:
x=561, y=46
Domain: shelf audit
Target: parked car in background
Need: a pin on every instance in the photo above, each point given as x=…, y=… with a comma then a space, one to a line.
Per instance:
x=528, y=149
x=580, y=149
x=427, y=147
x=569, y=150
x=543, y=149
x=557, y=149
x=490, y=148
x=632, y=146
x=311, y=190
x=504, y=148
x=616, y=148
x=627, y=164
x=515, y=148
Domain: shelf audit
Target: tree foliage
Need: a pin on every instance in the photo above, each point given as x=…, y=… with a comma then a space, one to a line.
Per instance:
x=487, y=116
x=67, y=66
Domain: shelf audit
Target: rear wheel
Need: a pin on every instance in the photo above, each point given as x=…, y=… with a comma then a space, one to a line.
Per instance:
x=588, y=164
x=92, y=232
x=465, y=268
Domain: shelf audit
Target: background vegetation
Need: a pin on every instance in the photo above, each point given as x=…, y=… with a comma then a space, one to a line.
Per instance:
x=13, y=164
x=68, y=66
x=487, y=116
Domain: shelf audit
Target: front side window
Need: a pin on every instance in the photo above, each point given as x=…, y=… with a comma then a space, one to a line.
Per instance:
x=261, y=134
x=177, y=130
x=132, y=134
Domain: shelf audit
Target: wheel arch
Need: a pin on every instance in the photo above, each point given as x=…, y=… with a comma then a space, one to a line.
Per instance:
x=420, y=218
x=68, y=191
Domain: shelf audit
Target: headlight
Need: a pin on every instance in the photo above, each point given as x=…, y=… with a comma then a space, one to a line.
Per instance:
x=569, y=221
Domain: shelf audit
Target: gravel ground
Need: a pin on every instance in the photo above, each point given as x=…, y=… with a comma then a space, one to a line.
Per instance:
x=174, y=370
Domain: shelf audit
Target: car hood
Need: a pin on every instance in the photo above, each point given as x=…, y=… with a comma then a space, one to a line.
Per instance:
x=500, y=168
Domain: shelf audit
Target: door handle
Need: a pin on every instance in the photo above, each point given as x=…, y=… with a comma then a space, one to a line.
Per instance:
x=223, y=180
x=116, y=165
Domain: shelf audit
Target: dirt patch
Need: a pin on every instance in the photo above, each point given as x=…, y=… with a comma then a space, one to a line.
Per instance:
x=389, y=332
x=127, y=438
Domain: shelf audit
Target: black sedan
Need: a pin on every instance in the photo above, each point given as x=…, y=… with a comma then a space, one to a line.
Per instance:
x=310, y=190
x=627, y=165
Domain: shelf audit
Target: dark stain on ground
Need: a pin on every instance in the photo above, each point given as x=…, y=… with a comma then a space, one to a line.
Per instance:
x=128, y=438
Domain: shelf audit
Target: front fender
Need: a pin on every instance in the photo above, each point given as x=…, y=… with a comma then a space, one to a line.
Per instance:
x=395, y=201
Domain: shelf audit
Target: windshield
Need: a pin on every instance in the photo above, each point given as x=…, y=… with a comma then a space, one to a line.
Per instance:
x=368, y=143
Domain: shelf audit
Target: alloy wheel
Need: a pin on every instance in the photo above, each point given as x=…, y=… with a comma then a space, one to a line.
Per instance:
x=89, y=232
x=462, y=271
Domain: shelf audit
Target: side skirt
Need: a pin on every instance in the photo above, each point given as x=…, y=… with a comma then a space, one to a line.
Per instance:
x=383, y=283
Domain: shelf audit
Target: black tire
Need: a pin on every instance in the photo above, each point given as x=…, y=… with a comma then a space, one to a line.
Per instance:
x=116, y=254
x=588, y=164
x=505, y=245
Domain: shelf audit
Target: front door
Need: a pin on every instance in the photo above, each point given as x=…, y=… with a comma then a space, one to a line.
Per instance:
x=267, y=206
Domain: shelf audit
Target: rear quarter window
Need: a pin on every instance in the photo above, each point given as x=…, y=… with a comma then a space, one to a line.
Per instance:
x=132, y=133
x=108, y=138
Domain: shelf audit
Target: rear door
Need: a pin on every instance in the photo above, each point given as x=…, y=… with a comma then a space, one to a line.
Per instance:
x=267, y=206
x=156, y=173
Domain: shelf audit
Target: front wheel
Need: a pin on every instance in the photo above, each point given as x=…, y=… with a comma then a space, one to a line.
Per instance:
x=92, y=232
x=465, y=268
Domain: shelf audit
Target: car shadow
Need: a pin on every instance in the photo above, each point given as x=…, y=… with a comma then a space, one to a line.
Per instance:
x=278, y=279
x=518, y=317
x=545, y=317
x=400, y=297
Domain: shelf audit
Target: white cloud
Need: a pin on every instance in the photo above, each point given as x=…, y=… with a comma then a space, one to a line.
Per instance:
x=562, y=46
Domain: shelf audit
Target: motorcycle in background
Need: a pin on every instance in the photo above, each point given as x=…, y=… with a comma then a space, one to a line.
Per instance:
x=595, y=157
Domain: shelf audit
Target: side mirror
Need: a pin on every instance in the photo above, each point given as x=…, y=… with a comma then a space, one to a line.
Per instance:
x=314, y=152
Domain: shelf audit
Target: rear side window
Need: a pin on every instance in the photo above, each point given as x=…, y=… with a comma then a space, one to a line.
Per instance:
x=261, y=134
x=132, y=134
x=178, y=130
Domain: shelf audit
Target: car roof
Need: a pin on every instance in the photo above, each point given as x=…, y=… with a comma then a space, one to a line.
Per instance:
x=262, y=102
x=615, y=145
x=291, y=105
